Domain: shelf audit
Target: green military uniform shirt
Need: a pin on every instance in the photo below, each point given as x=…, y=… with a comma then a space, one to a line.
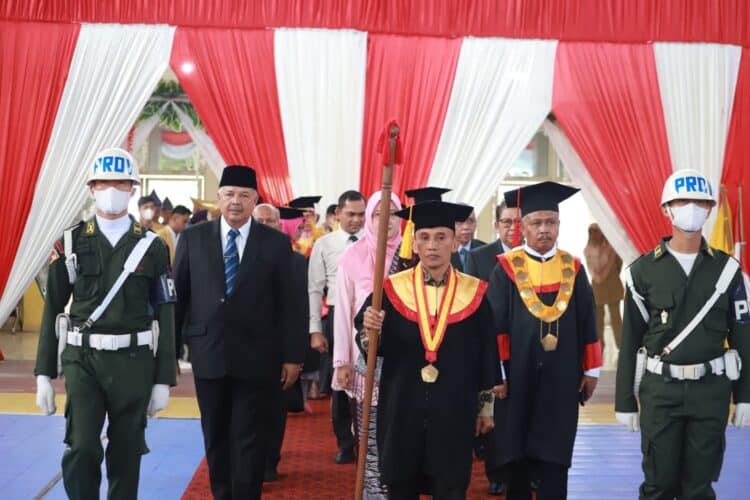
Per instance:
x=672, y=300
x=147, y=294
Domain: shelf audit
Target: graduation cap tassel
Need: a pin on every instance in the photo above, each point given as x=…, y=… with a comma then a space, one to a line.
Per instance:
x=517, y=221
x=407, y=241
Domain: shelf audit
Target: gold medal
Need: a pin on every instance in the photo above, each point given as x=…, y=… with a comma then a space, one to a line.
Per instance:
x=549, y=342
x=429, y=374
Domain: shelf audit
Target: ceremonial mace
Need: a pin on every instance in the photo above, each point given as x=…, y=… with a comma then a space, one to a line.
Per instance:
x=390, y=156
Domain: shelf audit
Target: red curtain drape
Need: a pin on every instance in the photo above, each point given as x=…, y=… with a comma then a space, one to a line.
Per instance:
x=737, y=157
x=230, y=78
x=606, y=99
x=408, y=79
x=723, y=21
x=34, y=63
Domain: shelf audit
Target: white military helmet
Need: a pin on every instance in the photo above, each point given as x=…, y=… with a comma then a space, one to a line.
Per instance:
x=114, y=164
x=687, y=184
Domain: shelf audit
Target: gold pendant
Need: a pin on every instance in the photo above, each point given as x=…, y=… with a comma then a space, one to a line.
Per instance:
x=429, y=373
x=549, y=342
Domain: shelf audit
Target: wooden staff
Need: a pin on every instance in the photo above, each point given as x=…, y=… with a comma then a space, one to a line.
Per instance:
x=377, y=300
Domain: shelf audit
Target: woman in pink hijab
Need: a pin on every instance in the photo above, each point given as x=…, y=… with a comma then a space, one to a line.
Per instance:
x=353, y=285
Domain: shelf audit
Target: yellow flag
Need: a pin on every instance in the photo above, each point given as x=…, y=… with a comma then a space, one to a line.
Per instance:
x=721, y=237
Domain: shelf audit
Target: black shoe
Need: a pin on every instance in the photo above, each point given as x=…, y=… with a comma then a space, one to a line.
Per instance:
x=496, y=489
x=270, y=475
x=344, y=457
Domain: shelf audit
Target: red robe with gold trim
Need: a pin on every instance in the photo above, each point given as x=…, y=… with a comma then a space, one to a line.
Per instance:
x=427, y=429
x=540, y=416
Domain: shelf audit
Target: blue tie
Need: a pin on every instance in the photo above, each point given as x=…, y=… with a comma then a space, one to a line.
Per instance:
x=231, y=261
x=462, y=253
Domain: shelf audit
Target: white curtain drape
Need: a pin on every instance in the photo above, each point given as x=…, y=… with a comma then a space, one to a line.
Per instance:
x=501, y=94
x=598, y=205
x=178, y=151
x=697, y=83
x=144, y=128
x=320, y=76
x=113, y=73
x=201, y=139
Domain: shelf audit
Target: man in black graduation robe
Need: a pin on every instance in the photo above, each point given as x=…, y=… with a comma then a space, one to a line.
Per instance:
x=544, y=315
x=428, y=406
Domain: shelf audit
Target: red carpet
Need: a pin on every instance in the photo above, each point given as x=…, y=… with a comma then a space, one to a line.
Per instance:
x=307, y=470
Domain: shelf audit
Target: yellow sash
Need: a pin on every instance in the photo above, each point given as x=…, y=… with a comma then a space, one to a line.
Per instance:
x=519, y=265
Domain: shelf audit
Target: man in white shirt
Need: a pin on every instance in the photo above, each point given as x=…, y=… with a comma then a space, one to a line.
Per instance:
x=322, y=279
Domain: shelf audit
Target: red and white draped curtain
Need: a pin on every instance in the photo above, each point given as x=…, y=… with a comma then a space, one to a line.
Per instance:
x=301, y=91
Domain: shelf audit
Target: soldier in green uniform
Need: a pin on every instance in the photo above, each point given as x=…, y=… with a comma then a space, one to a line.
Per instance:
x=685, y=301
x=115, y=350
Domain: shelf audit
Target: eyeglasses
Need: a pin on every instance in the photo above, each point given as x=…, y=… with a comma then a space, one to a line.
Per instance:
x=508, y=222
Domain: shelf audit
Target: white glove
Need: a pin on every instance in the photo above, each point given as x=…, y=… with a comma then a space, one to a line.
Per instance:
x=741, y=414
x=45, y=395
x=159, y=399
x=629, y=420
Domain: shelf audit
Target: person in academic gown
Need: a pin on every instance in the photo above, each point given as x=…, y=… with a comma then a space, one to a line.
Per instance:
x=439, y=363
x=544, y=316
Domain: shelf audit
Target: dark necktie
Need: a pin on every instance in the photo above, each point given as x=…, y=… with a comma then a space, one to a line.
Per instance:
x=462, y=253
x=231, y=261
x=353, y=238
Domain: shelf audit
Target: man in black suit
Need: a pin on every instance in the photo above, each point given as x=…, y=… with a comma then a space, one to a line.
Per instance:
x=244, y=325
x=466, y=242
x=480, y=263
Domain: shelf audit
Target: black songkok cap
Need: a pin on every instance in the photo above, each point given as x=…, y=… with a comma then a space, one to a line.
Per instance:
x=435, y=214
x=145, y=199
x=155, y=198
x=304, y=202
x=287, y=213
x=543, y=196
x=238, y=176
x=166, y=205
x=424, y=194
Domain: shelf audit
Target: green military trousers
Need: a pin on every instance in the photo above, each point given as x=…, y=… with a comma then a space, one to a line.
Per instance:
x=683, y=425
x=112, y=383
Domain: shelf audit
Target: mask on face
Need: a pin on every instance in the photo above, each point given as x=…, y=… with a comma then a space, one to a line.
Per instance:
x=111, y=200
x=147, y=214
x=689, y=218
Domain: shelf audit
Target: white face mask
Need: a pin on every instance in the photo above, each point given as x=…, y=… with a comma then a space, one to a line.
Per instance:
x=689, y=218
x=111, y=200
x=147, y=214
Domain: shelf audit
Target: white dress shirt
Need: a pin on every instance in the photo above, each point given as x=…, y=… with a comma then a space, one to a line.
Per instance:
x=113, y=229
x=321, y=273
x=240, y=240
x=175, y=236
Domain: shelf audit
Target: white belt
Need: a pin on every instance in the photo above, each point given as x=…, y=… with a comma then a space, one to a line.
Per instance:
x=103, y=342
x=686, y=372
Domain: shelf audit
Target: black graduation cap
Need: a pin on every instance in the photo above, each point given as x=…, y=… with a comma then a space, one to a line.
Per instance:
x=166, y=205
x=424, y=194
x=435, y=214
x=155, y=198
x=287, y=213
x=542, y=196
x=239, y=176
x=305, y=202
